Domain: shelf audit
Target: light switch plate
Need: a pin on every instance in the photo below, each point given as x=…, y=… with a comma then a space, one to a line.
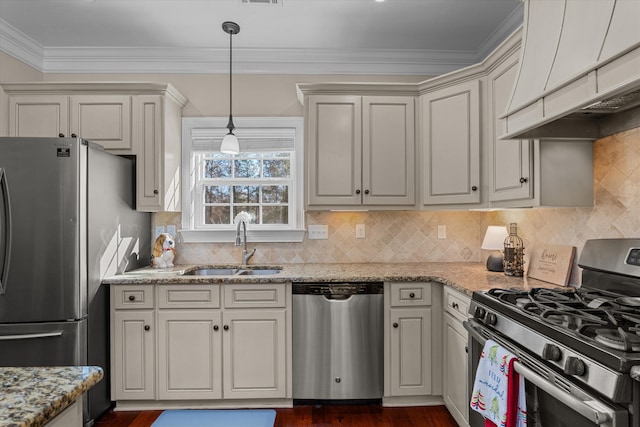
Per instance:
x=158, y=231
x=360, y=231
x=318, y=232
x=171, y=229
x=442, y=232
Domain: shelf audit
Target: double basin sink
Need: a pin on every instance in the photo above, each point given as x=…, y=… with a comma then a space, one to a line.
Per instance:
x=228, y=271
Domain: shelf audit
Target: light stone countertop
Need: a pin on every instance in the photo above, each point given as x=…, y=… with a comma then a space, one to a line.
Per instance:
x=464, y=277
x=30, y=397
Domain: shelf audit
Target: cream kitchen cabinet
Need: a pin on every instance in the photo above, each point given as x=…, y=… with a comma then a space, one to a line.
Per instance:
x=103, y=119
x=510, y=161
x=132, y=343
x=142, y=119
x=212, y=342
x=450, y=117
x=360, y=151
x=189, y=342
x=408, y=341
x=455, y=372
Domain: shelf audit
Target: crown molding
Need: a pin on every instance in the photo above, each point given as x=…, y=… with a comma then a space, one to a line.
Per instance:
x=75, y=60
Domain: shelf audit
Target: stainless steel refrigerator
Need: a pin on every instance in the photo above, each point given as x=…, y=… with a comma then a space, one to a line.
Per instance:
x=67, y=220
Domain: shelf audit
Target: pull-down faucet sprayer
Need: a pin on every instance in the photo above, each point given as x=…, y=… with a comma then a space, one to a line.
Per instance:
x=241, y=239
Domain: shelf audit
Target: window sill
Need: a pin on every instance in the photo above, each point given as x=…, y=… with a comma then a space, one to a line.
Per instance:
x=253, y=236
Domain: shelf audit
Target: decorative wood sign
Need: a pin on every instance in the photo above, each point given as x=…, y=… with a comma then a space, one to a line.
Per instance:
x=552, y=263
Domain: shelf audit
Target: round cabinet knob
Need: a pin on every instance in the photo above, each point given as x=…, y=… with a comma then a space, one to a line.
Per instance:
x=225, y=327
x=132, y=298
x=454, y=305
x=357, y=191
x=216, y=327
x=523, y=180
x=492, y=319
x=412, y=295
x=338, y=380
x=474, y=188
x=551, y=352
x=366, y=191
x=155, y=191
x=395, y=325
x=61, y=135
x=574, y=366
x=147, y=327
x=73, y=135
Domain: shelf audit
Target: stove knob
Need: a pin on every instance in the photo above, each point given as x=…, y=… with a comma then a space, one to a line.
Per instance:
x=551, y=352
x=492, y=319
x=574, y=366
x=480, y=312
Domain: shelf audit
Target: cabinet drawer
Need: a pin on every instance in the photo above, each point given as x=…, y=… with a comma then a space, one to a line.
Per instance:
x=133, y=296
x=410, y=294
x=189, y=296
x=456, y=303
x=258, y=295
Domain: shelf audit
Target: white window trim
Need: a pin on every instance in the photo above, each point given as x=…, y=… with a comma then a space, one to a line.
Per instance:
x=264, y=235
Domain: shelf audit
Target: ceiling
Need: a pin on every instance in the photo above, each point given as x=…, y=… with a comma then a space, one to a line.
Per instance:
x=412, y=37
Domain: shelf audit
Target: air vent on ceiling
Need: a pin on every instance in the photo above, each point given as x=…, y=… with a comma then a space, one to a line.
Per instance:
x=262, y=1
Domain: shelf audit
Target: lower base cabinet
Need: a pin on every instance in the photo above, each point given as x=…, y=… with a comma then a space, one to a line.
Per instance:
x=207, y=343
x=455, y=373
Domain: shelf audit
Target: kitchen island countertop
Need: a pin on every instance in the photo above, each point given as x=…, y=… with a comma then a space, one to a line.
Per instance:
x=464, y=277
x=32, y=396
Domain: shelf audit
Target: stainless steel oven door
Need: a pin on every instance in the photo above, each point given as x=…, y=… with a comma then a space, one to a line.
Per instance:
x=552, y=401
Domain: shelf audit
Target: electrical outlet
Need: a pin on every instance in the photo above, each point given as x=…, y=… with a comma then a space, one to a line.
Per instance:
x=158, y=231
x=318, y=232
x=360, y=231
x=442, y=232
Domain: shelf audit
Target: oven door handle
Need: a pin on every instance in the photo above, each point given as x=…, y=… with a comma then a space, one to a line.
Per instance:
x=597, y=416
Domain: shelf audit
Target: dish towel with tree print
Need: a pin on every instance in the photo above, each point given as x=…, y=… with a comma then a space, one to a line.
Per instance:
x=498, y=391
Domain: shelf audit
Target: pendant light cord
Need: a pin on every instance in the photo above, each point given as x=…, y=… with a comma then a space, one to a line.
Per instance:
x=230, y=124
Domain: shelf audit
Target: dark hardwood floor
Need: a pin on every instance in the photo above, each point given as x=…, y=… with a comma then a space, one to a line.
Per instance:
x=317, y=416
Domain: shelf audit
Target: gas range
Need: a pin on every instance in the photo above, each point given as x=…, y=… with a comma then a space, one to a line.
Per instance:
x=589, y=335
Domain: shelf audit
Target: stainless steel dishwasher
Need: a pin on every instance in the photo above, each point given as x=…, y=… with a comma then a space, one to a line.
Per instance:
x=338, y=341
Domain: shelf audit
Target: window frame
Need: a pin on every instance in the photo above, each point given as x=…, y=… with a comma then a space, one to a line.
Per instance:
x=223, y=233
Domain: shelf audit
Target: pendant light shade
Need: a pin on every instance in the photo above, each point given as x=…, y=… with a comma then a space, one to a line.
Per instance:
x=230, y=144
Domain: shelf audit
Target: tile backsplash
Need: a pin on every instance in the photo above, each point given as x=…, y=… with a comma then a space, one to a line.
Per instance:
x=413, y=236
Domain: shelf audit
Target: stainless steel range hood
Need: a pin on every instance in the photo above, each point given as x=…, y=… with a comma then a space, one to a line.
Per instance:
x=579, y=73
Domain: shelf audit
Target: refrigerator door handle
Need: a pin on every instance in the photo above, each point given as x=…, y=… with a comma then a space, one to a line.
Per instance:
x=30, y=336
x=5, y=231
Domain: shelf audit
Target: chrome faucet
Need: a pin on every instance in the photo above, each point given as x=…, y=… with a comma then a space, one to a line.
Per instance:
x=242, y=240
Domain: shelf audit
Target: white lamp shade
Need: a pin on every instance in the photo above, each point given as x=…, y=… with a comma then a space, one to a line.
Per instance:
x=494, y=237
x=230, y=144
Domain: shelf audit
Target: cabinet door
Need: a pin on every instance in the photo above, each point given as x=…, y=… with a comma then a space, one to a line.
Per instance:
x=147, y=119
x=39, y=115
x=509, y=160
x=189, y=354
x=388, y=150
x=103, y=119
x=134, y=355
x=410, y=341
x=254, y=356
x=334, y=150
x=456, y=396
x=451, y=144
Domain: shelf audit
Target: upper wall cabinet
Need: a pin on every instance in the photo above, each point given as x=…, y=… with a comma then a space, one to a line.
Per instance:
x=509, y=160
x=451, y=144
x=360, y=151
x=141, y=119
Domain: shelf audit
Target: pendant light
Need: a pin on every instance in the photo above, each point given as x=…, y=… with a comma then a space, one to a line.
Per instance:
x=230, y=143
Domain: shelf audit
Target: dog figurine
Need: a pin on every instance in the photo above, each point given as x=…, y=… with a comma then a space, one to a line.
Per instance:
x=164, y=251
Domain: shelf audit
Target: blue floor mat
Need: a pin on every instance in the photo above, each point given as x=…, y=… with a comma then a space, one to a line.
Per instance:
x=216, y=418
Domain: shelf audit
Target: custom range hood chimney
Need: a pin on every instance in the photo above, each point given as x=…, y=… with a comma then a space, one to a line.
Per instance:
x=579, y=74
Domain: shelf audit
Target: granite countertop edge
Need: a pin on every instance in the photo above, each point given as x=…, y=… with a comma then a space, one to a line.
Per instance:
x=465, y=277
x=33, y=396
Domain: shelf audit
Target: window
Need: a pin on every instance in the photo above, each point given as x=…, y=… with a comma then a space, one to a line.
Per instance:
x=263, y=180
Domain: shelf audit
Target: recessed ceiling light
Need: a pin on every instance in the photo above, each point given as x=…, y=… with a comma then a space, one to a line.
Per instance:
x=379, y=1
